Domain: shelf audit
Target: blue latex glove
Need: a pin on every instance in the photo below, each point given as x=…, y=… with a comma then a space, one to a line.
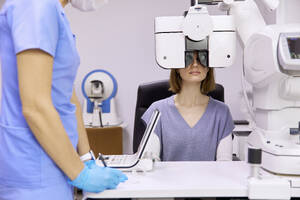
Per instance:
x=91, y=164
x=97, y=179
x=122, y=177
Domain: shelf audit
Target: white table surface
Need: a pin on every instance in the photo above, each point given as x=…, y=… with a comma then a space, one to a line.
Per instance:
x=184, y=179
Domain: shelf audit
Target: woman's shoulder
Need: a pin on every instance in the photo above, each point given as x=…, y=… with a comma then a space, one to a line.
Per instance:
x=219, y=105
x=220, y=111
x=162, y=103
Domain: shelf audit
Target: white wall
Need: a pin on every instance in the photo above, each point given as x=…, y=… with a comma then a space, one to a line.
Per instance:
x=288, y=11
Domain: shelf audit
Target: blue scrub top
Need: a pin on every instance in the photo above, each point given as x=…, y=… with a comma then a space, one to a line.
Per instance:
x=34, y=24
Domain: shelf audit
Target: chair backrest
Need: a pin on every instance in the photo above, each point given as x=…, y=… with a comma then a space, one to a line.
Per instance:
x=154, y=91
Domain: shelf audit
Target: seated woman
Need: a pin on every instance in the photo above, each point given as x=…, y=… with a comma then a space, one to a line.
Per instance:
x=193, y=126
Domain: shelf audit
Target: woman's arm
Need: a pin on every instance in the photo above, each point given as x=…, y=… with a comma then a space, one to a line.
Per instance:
x=83, y=143
x=224, y=150
x=35, y=78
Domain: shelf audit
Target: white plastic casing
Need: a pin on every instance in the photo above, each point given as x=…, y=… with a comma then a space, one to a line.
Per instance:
x=197, y=24
x=274, y=188
x=284, y=53
x=108, y=119
x=264, y=71
x=170, y=42
x=270, y=5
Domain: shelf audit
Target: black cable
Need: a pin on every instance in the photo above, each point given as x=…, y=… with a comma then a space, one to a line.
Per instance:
x=100, y=118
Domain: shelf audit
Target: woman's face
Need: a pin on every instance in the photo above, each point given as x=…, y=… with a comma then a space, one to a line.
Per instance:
x=195, y=72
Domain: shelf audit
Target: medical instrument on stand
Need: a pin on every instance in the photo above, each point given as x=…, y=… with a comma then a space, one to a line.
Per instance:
x=213, y=37
x=97, y=92
x=99, y=88
x=271, y=66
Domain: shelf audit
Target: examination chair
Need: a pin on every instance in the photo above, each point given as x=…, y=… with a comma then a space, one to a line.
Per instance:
x=154, y=91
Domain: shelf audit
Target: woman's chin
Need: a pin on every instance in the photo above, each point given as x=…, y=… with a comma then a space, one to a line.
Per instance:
x=195, y=80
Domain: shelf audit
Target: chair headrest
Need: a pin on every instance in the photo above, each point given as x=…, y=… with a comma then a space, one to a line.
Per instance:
x=154, y=91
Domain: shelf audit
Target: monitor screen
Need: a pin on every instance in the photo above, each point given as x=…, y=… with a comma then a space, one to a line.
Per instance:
x=294, y=47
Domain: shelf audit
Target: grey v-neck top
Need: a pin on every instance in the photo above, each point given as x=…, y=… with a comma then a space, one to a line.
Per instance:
x=180, y=142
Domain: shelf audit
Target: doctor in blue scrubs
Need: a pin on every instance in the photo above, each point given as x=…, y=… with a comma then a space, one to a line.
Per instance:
x=42, y=136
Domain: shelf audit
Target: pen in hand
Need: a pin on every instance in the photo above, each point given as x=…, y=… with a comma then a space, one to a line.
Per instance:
x=102, y=159
x=92, y=154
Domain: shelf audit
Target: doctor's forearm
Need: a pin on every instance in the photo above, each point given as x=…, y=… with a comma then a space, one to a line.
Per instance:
x=83, y=143
x=53, y=138
x=35, y=69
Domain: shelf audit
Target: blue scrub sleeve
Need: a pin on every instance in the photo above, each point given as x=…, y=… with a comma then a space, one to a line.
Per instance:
x=34, y=25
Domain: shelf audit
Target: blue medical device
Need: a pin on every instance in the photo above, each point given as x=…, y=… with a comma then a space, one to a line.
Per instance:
x=99, y=87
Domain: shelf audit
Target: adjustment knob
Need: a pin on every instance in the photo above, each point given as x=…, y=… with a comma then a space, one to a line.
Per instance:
x=254, y=156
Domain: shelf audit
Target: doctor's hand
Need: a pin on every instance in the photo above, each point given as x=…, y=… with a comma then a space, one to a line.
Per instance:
x=122, y=177
x=97, y=179
x=92, y=164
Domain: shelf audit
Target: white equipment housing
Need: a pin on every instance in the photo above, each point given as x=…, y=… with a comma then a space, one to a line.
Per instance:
x=173, y=33
x=276, y=97
x=273, y=69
